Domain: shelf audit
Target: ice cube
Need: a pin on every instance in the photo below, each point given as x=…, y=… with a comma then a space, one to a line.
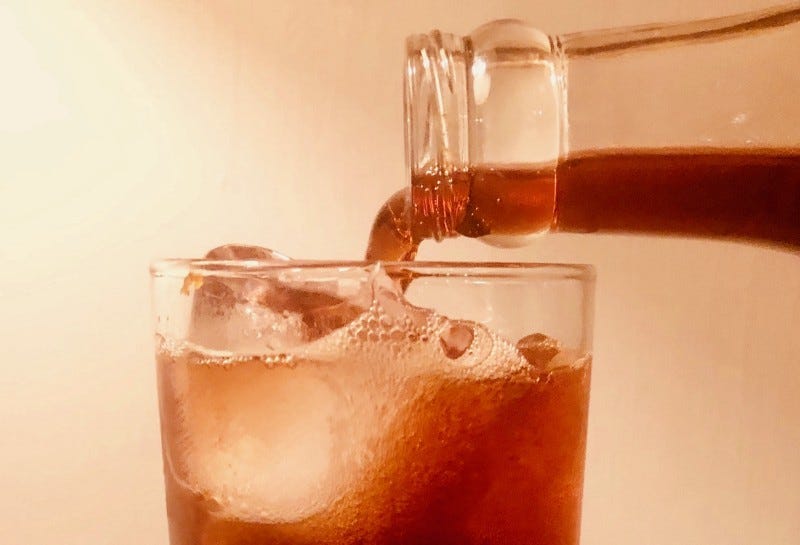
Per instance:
x=230, y=252
x=456, y=338
x=259, y=442
x=253, y=313
x=539, y=349
x=227, y=315
x=321, y=312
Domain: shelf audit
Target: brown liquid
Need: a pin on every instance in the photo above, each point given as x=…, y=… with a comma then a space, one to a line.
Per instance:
x=495, y=461
x=745, y=195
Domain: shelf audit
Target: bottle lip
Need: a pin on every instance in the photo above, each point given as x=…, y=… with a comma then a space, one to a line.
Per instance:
x=436, y=102
x=437, y=116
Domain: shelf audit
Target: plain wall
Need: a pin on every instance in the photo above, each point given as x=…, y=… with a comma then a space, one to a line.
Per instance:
x=132, y=130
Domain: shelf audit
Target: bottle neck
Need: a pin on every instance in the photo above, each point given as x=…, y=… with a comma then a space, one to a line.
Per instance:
x=495, y=97
x=511, y=97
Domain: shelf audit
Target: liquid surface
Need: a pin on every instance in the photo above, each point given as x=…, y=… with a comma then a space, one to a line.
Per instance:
x=746, y=195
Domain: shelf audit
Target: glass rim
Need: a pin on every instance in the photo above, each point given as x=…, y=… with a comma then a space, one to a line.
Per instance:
x=181, y=267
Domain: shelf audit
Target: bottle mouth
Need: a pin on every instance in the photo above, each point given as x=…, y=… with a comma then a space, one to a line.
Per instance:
x=436, y=102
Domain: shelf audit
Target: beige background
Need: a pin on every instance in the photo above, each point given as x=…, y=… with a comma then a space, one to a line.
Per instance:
x=131, y=130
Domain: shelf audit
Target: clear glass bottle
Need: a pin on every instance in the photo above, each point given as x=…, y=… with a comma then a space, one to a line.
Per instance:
x=688, y=129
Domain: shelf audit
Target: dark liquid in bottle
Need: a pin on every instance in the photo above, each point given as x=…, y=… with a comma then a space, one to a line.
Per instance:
x=745, y=195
